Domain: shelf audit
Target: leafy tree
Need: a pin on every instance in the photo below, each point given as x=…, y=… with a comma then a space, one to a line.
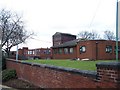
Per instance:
x=13, y=30
x=109, y=35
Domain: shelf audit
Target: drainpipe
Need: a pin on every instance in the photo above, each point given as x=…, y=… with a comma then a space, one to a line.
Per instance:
x=96, y=50
x=17, y=53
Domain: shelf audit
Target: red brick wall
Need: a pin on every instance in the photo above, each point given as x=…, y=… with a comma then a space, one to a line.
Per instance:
x=95, y=50
x=55, y=77
x=101, y=47
x=109, y=74
x=65, y=56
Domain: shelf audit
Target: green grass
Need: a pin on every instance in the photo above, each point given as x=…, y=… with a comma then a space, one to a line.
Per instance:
x=82, y=65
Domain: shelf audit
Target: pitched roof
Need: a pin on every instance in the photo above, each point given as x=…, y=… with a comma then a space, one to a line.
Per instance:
x=68, y=44
x=74, y=43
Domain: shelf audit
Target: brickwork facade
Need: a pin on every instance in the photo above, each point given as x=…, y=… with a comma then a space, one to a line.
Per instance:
x=89, y=49
x=45, y=76
x=40, y=53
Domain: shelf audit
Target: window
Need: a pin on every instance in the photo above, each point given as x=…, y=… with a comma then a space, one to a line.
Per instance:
x=66, y=50
x=45, y=51
x=82, y=49
x=108, y=49
x=60, y=51
x=55, y=51
x=29, y=52
x=71, y=50
x=33, y=52
x=49, y=51
x=37, y=52
x=25, y=52
x=118, y=49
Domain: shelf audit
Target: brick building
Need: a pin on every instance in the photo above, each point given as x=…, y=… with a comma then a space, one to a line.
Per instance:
x=83, y=49
x=66, y=46
x=60, y=38
x=40, y=53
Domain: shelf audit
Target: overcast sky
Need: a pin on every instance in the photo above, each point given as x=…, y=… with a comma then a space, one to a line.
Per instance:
x=45, y=17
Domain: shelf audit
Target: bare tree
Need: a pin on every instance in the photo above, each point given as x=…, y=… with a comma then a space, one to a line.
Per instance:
x=109, y=35
x=94, y=36
x=84, y=35
x=13, y=30
x=88, y=35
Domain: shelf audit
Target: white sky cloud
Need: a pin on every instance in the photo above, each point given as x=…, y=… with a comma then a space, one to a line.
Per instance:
x=45, y=17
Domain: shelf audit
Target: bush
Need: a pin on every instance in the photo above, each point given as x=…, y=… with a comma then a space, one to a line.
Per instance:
x=8, y=74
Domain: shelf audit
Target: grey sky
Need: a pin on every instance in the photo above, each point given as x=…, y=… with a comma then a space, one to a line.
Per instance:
x=45, y=17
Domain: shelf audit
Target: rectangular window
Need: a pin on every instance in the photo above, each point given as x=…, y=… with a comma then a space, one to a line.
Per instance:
x=29, y=52
x=82, y=49
x=66, y=50
x=55, y=51
x=60, y=51
x=118, y=49
x=33, y=52
x=25, y=52
x=71, y=50
x=108, y=49
x=47, y=51
x=37, y=52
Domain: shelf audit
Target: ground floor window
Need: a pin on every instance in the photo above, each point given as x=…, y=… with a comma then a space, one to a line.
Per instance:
x=66, y=50
x=60, y=51
x=118, y=49
x=108, y=49
x=30, y=52
x=55, y=51
x=71, y=50
x=82, y=49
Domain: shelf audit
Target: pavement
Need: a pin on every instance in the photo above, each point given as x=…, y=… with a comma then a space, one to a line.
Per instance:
x=3, y=87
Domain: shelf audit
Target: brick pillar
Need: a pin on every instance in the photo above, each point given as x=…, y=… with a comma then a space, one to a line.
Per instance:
x=108, y=74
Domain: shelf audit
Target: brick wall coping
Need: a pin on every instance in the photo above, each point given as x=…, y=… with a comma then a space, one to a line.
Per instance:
x=113, y=65
x=86, y=73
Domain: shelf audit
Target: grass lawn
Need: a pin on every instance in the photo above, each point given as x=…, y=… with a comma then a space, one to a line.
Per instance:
x=82, y=65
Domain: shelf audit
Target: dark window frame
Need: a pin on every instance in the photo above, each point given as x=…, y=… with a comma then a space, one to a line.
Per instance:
x=81, y=49
x=118, y=49
x=60, y=51
x=108, y=49
x=55, y=51
x=67, y=51
x=72, y=50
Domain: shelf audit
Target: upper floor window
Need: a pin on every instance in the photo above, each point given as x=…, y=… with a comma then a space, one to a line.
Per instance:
x=108, y=49
x=66, y=50
x=71, y=50
x=82, y=49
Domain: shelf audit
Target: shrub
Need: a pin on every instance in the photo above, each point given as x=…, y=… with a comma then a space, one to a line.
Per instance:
x=8, y=74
